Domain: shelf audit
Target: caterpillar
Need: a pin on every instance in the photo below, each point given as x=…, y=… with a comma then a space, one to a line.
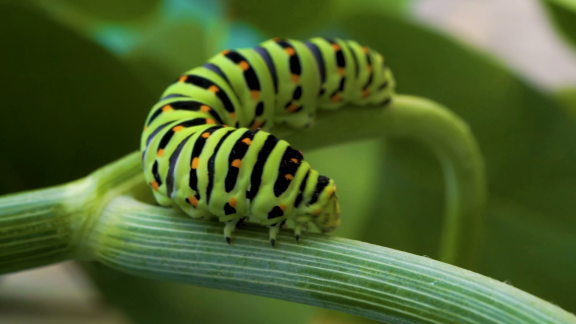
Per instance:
x=206, y=146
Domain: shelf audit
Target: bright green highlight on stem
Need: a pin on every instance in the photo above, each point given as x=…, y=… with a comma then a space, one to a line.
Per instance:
x=105, y=217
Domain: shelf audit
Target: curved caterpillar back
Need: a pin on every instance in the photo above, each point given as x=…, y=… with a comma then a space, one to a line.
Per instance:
x=193, y=159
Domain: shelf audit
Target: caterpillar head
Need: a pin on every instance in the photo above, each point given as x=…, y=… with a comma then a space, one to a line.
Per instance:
x=329, y=218
x=326, y=210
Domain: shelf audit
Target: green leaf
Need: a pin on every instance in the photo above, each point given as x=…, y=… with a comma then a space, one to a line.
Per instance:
x=527, y=142
x=121, y=11
x=167, y=52
x=282, y=18
x=295, y=18
x=69, y=108
x=563, y=12
x=566, y=98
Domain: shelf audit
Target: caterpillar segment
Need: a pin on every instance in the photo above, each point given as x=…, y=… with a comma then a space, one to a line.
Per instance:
x=206, y=146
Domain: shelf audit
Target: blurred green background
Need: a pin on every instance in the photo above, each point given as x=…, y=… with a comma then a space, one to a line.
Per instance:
x=78, y=78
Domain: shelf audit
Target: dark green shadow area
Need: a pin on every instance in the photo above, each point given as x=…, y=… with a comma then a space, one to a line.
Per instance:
x=564, y=17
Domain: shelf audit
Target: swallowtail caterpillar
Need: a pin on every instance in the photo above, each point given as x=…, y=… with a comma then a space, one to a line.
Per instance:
x=206, y=149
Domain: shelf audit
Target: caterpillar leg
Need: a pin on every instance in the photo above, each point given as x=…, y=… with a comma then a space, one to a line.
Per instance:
x=230, y=227
x=274, y=229
x=298, y=230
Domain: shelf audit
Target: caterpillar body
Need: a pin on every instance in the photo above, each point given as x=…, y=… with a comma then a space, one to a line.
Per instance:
x=206, y=149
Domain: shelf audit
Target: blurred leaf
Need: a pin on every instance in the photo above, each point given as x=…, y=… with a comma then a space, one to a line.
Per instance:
x=167, y=52
x=527, y=141
x=69, y=107
x=125, y=10
x=566, y=98
x=355, y=187
x=282, y=18
x=563, y=13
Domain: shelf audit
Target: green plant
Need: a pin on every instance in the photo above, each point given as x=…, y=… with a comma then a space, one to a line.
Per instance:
x=100, y=218
x=523, y=135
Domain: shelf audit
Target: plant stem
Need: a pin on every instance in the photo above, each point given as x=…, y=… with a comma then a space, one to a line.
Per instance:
x=90, y=220
x=438, y=129
x=329, y=272
x=45, y=226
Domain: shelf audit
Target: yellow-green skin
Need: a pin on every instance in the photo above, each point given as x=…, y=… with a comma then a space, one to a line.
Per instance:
x=190, y=153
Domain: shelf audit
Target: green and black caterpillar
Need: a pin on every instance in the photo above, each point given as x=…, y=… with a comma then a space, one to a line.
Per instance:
x=205, y=147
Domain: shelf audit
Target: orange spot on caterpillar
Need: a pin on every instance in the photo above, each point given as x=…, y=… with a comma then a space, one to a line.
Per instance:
x=224, y=125
x=335, y=98
x=370, y=68
x=145, y=128
x=341, y=71
x=167, y=108
x=365, y=93
x=205, y=134
x=255, y=94
x=204, y=108
x=193, y=201
x=283, y=207
x=336, y=47
x=317, y=212
x=160, y=153
x=183, y=78
x=295, y=78
x=290, y=51
x=213, y=89
x=288, y=176
x=255, y=125
x=295, y=160
x=237, y=163
x=210, y=121
x=292, y=107
x=177, y=128
x=244, y=65
x=154, y=185
x=233, y=115
x=364, y=49
x=224, y=52
x=276, y=39
x=195, y=162
x=232, y=202
x=247, y=141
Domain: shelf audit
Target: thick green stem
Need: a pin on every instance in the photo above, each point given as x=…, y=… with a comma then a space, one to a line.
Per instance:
x=46, y=226
x=329, y=272
x=87, y=222
x=438, y=129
